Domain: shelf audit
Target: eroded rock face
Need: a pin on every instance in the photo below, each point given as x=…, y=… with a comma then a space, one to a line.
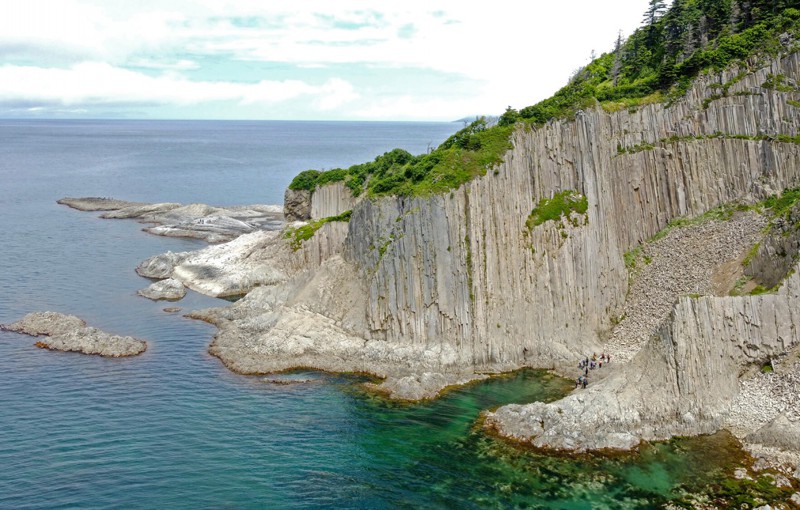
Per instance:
x=169, y=289
x=684, y=382
x=297, y=205
x=69, y=333
x=778, y=433
x=212, y=224
x=160, y=266
x=777, y=253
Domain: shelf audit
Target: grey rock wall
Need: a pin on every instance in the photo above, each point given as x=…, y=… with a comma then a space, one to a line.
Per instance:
x=456, y=284
x=331, y=200
x=296, y=205
x=683, y=382
x=461, y=269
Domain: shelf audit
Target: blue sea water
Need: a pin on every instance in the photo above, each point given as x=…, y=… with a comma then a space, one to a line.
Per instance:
x=173, y=428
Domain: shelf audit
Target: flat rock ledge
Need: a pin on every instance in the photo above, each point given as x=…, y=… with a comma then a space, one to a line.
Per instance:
x=169, y=290
x=71, y=334
x=199, y=221
x=254, y=339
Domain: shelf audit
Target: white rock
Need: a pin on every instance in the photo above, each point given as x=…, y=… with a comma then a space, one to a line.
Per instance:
x=169, y=289
x=69, y=333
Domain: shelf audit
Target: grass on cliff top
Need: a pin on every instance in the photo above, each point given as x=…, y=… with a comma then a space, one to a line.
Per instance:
x=297, y=235
x=467, y=154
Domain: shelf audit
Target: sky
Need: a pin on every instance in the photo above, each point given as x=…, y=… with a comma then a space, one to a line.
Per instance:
x=432, y=60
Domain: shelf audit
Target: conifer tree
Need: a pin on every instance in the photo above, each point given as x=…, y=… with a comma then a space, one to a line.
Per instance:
x=654, y=11
x=617, y=67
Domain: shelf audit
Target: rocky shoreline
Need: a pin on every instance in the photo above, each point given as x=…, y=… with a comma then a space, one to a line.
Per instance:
x=68, y=333
x=199, y=221
x=431, y=291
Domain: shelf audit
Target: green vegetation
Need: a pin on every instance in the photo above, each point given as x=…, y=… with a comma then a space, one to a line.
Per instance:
x=297, y=235
x=745, y=493
x=750, y=254
x=780, y=83
x=660, y=59
x=467, y=154
x=631, y=257
x=781, y=205
x=561, y=205
x=656, y=64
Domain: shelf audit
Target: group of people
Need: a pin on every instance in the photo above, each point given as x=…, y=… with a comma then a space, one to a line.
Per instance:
x=587, y=364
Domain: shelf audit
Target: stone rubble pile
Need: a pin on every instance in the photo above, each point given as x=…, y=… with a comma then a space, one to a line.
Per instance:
x=764, y=396
x=683, y=262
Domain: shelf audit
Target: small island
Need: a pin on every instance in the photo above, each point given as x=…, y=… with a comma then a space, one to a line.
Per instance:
x=71, y=334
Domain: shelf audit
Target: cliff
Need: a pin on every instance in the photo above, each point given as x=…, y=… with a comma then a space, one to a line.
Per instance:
x=429, y=291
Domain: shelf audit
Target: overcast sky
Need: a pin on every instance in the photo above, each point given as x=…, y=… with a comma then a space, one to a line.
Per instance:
x=304, y=59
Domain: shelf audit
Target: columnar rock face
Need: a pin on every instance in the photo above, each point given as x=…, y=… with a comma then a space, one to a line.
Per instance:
x=462, y=268
x=457, y=284
x=683, y=382
x=331, y=200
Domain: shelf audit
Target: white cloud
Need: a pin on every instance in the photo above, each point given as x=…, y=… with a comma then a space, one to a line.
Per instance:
x=99, y=83
x=177, y=65
x=514, y=52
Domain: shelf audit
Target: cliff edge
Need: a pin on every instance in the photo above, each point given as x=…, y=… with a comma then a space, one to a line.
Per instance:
x=526, y=267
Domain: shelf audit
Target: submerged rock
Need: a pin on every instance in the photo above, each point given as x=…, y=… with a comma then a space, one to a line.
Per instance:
x=70, y=333
x=169, y=289
x=288, y=382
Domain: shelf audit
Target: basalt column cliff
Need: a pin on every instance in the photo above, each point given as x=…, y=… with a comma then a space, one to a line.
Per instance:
x=429, y=291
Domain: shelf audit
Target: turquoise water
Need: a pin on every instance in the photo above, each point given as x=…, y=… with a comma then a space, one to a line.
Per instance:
x=173, y=428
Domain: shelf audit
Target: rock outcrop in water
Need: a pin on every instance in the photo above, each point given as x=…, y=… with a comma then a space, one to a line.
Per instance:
x=212, y=224
x=169, y=289
x=433, y=291
x=62, y=332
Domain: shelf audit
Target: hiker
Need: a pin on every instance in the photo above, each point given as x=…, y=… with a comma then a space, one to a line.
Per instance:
x=585, y=382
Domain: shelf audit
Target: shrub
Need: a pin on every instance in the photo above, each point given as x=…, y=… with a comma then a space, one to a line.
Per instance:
x=551, y=209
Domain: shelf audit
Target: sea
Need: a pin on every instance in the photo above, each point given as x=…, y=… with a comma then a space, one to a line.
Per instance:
x=173, y=428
